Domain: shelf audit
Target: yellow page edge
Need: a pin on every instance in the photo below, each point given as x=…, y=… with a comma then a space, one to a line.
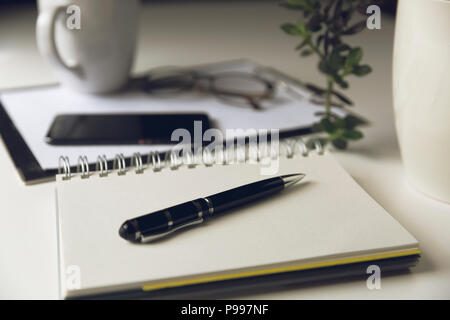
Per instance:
x=306, y=266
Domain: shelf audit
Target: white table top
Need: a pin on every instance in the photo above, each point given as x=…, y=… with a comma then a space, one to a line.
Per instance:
x=178, y=34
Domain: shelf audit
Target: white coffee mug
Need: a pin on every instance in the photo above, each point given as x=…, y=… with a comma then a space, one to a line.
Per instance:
x=421, y=87
x=90, y=43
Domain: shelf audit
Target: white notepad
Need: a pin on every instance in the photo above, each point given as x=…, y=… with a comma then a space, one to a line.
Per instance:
x=326, y=220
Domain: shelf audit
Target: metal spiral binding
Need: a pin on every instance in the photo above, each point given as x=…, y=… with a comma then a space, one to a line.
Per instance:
x=155, y=160
x=241, y=154
x=298, y=146
x=207, y=157
x=64, y=167
x=189, y=159
x=173, y=160
x=136, y=161
x=176, y=158
x=102, y=166
x=119, y=164
x=83, y=167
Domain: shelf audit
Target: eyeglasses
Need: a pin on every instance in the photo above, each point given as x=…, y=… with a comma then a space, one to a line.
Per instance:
x=236, y=88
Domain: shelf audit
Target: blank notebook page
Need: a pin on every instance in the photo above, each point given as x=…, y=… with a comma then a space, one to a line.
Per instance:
x=326, y=216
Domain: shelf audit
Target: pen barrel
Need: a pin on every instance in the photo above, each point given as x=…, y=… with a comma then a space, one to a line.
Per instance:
x=170, y=218
x=239, y=196
x=157, y=224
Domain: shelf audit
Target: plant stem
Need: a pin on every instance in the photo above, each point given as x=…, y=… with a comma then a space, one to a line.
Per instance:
x=314, y=48
x=330, y=83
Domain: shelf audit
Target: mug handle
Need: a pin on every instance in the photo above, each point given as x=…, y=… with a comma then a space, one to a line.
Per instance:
x=45, y=35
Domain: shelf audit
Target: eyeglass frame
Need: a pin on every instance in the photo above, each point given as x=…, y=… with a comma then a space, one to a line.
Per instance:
x=196, y=77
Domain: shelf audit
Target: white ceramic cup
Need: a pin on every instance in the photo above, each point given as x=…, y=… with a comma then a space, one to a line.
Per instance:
x=97, y=57
x=421, y=87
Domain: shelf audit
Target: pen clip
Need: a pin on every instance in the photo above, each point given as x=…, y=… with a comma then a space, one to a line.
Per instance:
x=145, y=239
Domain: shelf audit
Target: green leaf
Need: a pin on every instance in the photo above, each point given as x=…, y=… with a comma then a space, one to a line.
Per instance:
x=323, y=67
x=306, y=53
x=357, y=27
x=339, y=123
x=301, y=45
x=347, y=16
x=351, y=122
x=327, y=125
x=326, y=42
x=337, y=9
x=341, y=82
x=336, y=62
x=322, y=91
x=314, y=24
x=303, y=3
x=353, y=134
x=290, y=29
x=317, y=127
x=339, y=143
x=353, y=58
x=361, y=71
x=342, y=47
x=335, y=41
x=301, y=27
x=319, y=40
x=315, y=89
x=342, y=98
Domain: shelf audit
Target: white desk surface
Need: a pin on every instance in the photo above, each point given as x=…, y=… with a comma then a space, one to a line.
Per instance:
x=201, y=32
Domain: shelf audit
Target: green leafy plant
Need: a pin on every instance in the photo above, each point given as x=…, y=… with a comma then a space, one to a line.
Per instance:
x=322, y=28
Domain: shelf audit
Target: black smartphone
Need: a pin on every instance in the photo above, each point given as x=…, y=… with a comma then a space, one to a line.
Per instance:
x=103, y=129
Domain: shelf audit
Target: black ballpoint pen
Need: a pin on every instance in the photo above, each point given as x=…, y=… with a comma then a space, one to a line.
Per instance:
x=158, y=224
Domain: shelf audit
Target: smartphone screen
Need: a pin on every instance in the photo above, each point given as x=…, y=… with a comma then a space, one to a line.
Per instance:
x=101, y=129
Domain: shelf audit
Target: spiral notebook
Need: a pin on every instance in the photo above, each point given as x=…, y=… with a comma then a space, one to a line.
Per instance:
x=324, y=227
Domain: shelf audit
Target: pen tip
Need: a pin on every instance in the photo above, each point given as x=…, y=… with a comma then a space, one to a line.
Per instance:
x=291, y=179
